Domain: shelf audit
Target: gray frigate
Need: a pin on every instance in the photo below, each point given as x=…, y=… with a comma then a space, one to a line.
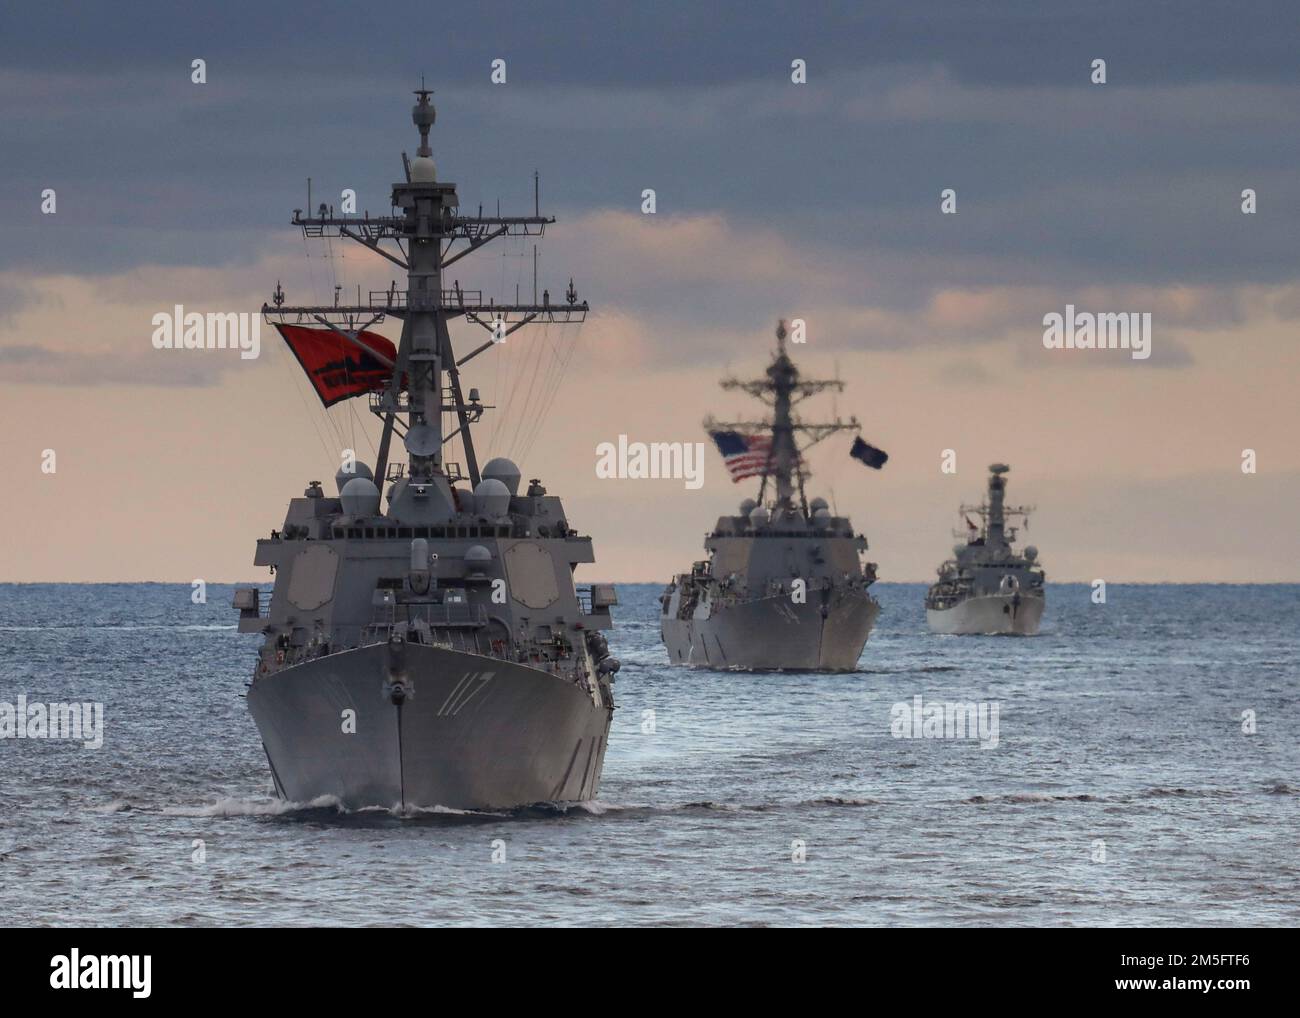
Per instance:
x=433, y=652
x=987, y=587
x=784, y=586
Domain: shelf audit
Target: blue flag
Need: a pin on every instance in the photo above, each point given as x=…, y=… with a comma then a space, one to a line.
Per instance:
x=868, y=454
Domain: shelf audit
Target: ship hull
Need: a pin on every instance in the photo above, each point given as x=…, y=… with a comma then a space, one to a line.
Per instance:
x=989, y=615
x=472, y=732
x=772, y=634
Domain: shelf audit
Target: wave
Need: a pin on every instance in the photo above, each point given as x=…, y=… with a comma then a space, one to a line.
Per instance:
x=256, y=807
x=1186, y=793
x=114, y=806
x=598, y=808
x=1023, y=798
x=234, y=807
x=328, y=806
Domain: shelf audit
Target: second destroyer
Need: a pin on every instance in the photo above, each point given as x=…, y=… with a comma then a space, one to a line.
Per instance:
x=784, y=587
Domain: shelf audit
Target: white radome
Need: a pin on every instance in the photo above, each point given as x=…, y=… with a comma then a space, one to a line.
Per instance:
x=423, y=170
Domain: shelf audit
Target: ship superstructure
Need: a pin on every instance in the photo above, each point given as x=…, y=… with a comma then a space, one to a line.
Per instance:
x=784, y=585
x=987, y=586
x=425, y=644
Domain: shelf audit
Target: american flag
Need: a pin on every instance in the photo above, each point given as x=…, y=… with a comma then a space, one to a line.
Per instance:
x=745, y=455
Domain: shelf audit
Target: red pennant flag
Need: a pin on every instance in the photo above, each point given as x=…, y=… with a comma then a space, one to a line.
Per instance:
x=339, y=370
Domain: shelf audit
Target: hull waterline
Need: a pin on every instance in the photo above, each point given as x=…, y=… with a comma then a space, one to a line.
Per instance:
x=772, y=634
x=989, y=615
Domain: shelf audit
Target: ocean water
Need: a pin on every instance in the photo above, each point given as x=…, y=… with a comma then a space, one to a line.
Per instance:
x=1122, y=789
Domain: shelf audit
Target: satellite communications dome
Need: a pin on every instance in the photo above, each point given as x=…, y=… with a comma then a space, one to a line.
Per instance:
x=360, y=497
x=492, y=498
x=818, y=504
x=1031, y=553
x=423, y=170
x=505, y=471
x=759, y=516
x=747, y=507
x=358, y=470
x=477, y=560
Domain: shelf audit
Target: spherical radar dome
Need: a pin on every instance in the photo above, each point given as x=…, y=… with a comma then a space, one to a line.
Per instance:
x=360, y=497
x=492, y=498
x=358, y=470
x=423, y=170
x=505, y=471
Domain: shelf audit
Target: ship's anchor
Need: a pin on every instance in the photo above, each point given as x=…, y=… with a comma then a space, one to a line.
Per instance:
x=398, y=687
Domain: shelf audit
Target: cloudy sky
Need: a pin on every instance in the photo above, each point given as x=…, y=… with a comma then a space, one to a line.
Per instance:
x=774, y=199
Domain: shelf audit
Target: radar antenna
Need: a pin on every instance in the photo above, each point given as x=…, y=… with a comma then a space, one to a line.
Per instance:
x=783, y=388
x=425, y=230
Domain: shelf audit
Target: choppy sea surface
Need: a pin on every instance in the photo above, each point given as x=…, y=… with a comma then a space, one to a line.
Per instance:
x=1125, y=787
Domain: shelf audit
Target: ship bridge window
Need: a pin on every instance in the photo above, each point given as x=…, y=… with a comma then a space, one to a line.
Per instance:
x=403, y=532
x=354, y=533
x=370, y=533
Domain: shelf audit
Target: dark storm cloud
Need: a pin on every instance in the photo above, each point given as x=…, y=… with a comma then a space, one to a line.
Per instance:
x=667, y=43
x=1059, y=182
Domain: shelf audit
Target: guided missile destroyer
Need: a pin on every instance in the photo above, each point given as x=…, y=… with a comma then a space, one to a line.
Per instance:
x=784, y=587
x=987, y=587
x=434, y=652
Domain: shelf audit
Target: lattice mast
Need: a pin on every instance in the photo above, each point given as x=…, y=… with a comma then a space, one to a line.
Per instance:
x=783, y=388
x=998, y=521
x=425, y=379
